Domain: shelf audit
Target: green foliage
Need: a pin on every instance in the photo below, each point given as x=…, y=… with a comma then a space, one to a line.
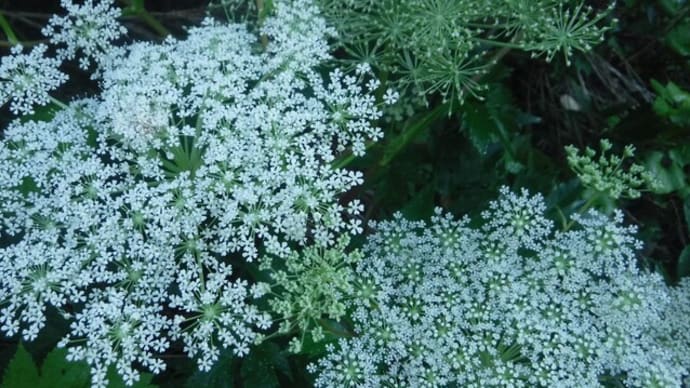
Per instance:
x=263, y=365
x=221, y=374
x=516, y=117
x=266, y=366
x=56, y=371
x=446, y=46
x=21, y=372
x=672, y=103
x=669, y=170
x=409, y=133
x=679, y=39
x=184, y=157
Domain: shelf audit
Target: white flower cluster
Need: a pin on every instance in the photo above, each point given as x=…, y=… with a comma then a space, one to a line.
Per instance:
x=89, y=28
x=26, y=78
x=131, y=212
x=509, y=303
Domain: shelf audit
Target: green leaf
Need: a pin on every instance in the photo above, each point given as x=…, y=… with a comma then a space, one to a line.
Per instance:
x=116, y=381
x=266, y=10
x=7, y=29
x=317, y=349
x=421, y=206
x=564, y=200
x=22, y=371
x=58, y=372
x=669, y=174
x=683, y=267
x=133, y=7
x=480, y=127
x=259, y=368
x=220, y=375
x=43, y=113
x=28, y=186
x=672, y=102
x=671, y=6
x=679, y=39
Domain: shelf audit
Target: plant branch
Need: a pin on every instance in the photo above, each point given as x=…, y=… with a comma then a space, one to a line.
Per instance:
x=7, y=29
x=137, y=8
x=260, y=16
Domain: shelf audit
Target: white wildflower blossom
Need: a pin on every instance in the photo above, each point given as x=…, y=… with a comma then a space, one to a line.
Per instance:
x=391, y=97
x=26, y=78
x=511, y=303
x=129, y=212
x=298, y=35
x=88, y=28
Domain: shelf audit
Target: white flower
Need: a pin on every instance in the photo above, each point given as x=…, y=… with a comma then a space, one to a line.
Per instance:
x=444, y=303
x=391, y=97
x=132, y=208
x=89, y=28
x=26, y=79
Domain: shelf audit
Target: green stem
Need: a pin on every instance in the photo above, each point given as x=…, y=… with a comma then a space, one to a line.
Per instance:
x=25, y=43
x=260, y=16
x=59, y=103
x=582, y=210
x=346, y=160
x=497, y=43
x=259, y=9
x=411, y=132
x=152, y=22
x=7, y=29
x=137, y=8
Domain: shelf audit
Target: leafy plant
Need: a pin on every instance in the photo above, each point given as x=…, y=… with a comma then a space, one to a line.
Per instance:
x=254, y=199
x=446, y=46
x=57, y=371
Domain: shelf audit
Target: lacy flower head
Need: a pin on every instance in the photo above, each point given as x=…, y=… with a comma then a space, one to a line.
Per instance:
x=26, y=78
x=88, y=28
x=130, y=212
x=510, y=303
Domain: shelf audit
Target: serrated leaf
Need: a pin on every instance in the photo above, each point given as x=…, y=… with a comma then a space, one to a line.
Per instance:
x=21, y=371
x=672, y=102
x=58, y=372
x=481, y=128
